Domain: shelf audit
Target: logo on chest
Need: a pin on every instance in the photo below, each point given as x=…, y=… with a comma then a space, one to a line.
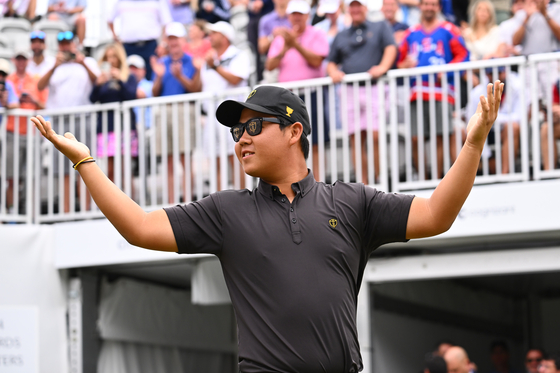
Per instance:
x=333, y=223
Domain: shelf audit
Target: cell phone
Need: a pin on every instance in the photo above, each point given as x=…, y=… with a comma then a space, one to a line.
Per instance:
x=69, y=56
x=106, y=67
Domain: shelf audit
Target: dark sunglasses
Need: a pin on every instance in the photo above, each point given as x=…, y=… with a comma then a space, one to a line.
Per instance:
x=253, y=127
x=65, y=36
x=38, y=35
x=534, y=360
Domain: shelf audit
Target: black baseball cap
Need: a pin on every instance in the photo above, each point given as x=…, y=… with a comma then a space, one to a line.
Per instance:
x=272, y=100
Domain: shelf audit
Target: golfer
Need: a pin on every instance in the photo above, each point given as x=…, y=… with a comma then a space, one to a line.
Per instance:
x=293, y=250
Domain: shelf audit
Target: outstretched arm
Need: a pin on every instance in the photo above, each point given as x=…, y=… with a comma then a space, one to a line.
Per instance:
x=148, y=230
x=432, y=216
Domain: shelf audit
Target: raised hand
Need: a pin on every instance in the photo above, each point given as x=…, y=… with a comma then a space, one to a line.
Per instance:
x=486, y=113
x=74, y=150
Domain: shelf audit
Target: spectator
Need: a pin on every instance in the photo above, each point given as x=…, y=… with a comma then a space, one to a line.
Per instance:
x=298, y=52
x=549, y=150
x=22, y=9
x=550, y=364
x=114, y=84
x=225, y=67
x=142, y=22
x=410, y=11
x=212, y=11
x=539, y=32
x=40, y=63
x=533, y=359
x=389, y=10
x=8, y=96
x=457, y=359
x=9, y=100
x=70, y=81
x=269, y=26
x=499, y=354
x=70, y=11
x=442, y=347
x=508, y=29
x=144, y=90
x=509, y=116
x=181, y=11
x=432, y=42
x=175, y=74
x=364, y=47
x=482, y=37
x=197, y=45
x=434, y=364
x=335, y=20
x=257, y=9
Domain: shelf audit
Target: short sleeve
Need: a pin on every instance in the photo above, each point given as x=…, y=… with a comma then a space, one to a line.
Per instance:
x=263, y=27
x=386, y=216
x=320, y=44
x=12, y=96
x=387, y=34
x=334, y=55
x=240, y=65
x=197, y=227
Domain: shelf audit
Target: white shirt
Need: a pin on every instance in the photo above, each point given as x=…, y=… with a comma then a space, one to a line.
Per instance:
x=509, y=27
x=236, y=62
x=42, y=68
x=485, y=45
x=70, y=84
x=141, y=19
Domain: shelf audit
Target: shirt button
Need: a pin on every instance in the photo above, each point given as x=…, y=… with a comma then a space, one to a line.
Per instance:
x=292, y=209
x=283, y=200
x=294, y=220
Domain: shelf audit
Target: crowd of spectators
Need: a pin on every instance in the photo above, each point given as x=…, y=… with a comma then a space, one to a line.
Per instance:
x=172, y=47
x=448, y=357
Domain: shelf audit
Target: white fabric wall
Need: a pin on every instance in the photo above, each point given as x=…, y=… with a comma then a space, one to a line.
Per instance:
x=208, y=283
x=149, y=328
x=28, y=277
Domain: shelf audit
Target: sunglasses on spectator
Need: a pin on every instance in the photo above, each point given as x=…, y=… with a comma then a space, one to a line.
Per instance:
x=538, y=360
x=38, y=35
x=253, y=127
x=65, y=36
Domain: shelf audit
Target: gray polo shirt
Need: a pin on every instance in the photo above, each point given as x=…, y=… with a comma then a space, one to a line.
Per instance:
x=539, y=38
x=293, y=270
x=359, y=48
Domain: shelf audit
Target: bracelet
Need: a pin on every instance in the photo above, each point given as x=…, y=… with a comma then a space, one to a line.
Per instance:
x=85, y=160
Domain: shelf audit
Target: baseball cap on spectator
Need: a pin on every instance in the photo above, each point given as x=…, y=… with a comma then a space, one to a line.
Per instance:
x=22, y=53
x=175, y=29
x=136, y=61
x=37, y=34
x=4, y=66
x=223, y=28
x=328, y=6
x=270, y=100
x=363, y=2
x=298, y=6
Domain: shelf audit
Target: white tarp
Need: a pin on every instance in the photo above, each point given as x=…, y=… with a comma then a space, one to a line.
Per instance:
x=139, y=312
x=208, y=284
x=29, y=278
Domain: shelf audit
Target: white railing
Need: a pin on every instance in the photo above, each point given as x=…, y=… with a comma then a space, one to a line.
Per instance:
x=195, y=157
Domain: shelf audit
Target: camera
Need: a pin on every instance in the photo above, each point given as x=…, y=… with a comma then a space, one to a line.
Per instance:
x=69, y=56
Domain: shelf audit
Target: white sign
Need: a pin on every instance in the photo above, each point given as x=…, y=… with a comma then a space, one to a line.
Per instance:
x=19, y=340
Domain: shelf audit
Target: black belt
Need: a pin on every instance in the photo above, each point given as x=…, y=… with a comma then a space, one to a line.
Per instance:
x=140, y=43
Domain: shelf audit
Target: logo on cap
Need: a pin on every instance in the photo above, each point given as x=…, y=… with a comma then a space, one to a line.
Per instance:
x=252, y=94
x=289, y=110
x=333, y=223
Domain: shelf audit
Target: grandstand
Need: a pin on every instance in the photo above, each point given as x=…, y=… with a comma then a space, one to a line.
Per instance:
x=81, y=293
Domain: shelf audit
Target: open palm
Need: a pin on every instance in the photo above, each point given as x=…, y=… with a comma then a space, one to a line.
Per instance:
x=481, y=122
x=67, y=144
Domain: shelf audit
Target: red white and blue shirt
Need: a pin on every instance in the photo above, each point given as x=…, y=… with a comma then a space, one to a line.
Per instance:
x=440, y=46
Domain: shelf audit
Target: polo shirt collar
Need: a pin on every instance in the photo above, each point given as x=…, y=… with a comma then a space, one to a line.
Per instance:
x=303, y=186
x=362, y=26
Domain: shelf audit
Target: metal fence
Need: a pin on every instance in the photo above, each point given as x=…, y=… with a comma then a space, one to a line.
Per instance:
x=399, y=133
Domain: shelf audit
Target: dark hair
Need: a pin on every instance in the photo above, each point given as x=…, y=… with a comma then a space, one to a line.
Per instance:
x=499, y=343
x=555, y=357
x=303, y=141
x=435, y=364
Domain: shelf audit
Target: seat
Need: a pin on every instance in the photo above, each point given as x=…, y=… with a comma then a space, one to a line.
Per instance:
x=51, y=29
x=16, y=31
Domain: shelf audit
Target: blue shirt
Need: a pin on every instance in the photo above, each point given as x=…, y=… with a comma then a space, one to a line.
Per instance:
x=270, y=21
x=146, y=86
x=169, y=84
x=12, y=96
x=69, y=4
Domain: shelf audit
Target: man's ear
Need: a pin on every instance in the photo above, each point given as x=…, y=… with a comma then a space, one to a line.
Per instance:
x=296, y=131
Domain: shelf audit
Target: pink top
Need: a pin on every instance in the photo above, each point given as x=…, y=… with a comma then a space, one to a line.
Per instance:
x=293, y=66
